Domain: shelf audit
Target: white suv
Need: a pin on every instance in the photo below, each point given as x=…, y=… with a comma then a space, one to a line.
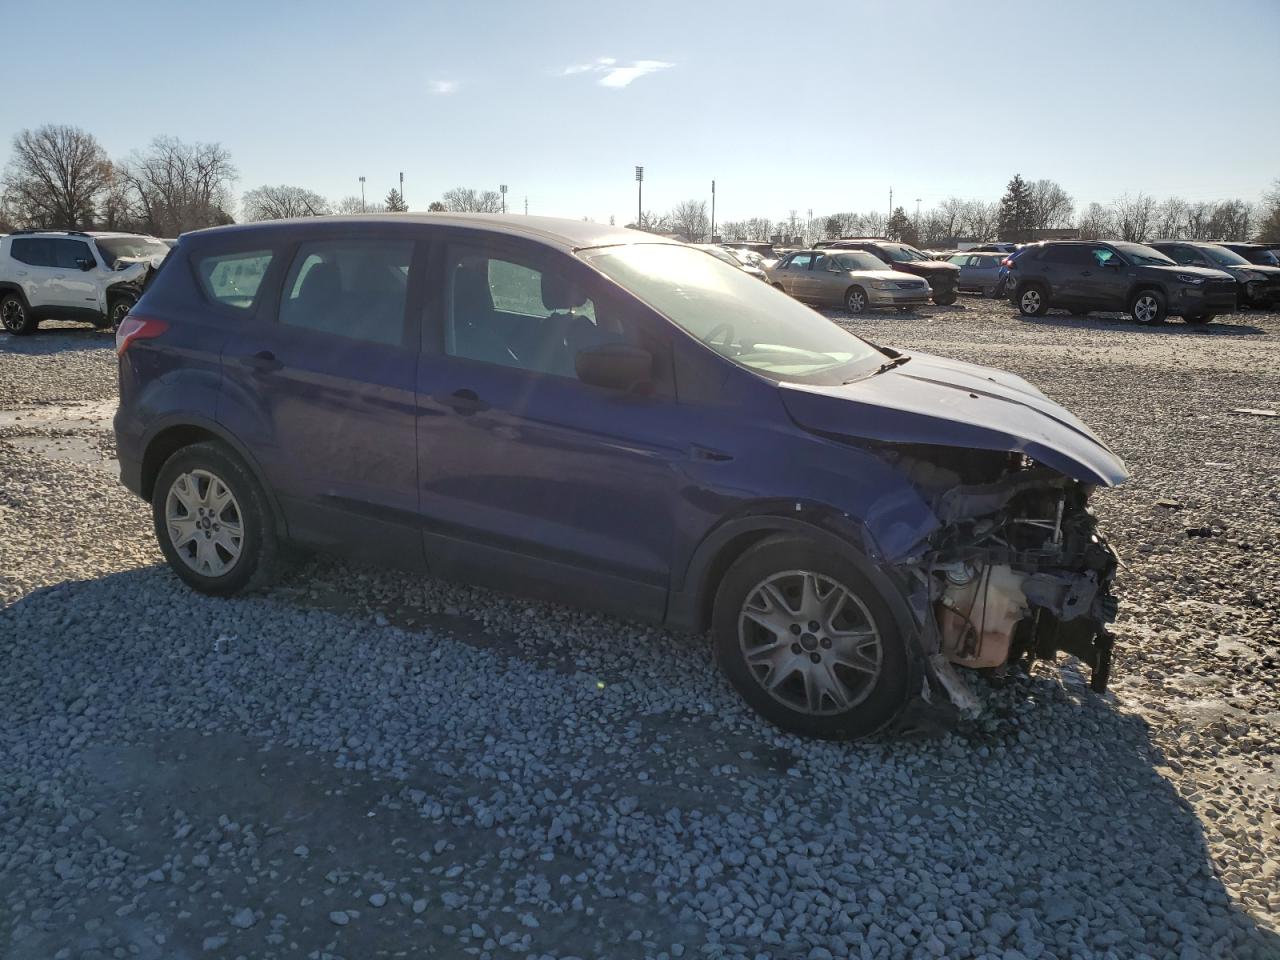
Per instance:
x=69, y=275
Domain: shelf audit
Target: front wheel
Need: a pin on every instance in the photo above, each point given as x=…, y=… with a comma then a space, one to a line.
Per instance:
x=1148, y=306
x=15, y=315
x=808, y=641
x=213, y=521
x=116, y=314
x=855, y=300
x=946, y=299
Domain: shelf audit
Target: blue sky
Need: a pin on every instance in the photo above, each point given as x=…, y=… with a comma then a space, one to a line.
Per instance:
x=822, y=106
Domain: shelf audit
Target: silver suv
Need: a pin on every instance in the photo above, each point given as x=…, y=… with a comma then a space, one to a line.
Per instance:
x=71, y=275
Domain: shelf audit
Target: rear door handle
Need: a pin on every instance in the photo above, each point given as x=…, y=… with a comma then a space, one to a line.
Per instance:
x=464, y=402
x=264, y=361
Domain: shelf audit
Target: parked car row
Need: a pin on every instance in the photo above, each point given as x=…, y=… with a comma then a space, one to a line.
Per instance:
x=73, y=275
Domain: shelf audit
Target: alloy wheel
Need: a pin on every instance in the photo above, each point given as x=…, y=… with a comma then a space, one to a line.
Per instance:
x=1145, y=309
x=118, y=313
x=810, y=642
x=1030, y=301
x=204, y=522
x=856, y=301
x=12, y=316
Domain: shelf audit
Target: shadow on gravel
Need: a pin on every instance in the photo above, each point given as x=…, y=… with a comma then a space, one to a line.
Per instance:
x=209, y=753
x=52, y=340
x=1171, y=327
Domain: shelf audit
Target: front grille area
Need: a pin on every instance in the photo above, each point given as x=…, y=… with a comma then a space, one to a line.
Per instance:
x=911, y=284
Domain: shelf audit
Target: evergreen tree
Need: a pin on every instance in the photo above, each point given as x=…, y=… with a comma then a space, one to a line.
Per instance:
x=395, y=203
x=899, y=226
x=1015, y=211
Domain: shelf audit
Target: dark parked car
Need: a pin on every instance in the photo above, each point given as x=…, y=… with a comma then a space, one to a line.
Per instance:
x=596, y=415
x=943, y=277
x=1085, y=275
x=1257, y=285
x=1263, y=254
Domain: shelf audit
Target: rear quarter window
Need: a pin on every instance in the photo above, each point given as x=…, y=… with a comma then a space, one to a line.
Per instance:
x=233, y=279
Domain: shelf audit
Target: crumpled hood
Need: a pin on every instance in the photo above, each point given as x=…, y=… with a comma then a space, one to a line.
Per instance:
x=933, y=400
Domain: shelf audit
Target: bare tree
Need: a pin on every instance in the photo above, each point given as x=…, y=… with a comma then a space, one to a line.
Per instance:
x=689, y=219
x=469, y=200
x=1231, y=220
x=1097, y=223
x=1134, y=216
x=351, y=205
x=980, y=220
x=178, y=186
x=55, y=178
x=1269, y=217
x=1048, y=205
x=435, y=206
x=279, y=203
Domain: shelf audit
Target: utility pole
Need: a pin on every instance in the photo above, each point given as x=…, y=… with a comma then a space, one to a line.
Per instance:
x=713, y=211
x=402, y=199
x=886, y=223
x=526, y=205
x=502, y=189
x=917, y=223
x=362, y=206
x=639, y=196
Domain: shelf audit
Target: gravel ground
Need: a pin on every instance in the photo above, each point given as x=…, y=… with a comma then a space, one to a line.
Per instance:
x=361, y=763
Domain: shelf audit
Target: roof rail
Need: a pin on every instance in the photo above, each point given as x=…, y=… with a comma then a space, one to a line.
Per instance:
x=72, y=233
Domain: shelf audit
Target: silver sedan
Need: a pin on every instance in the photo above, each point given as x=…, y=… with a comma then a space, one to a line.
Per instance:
x=851, y=279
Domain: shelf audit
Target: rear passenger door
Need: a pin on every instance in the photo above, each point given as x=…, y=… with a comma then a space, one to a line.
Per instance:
x=35, y=269
x=320, y=385
x=795, y=275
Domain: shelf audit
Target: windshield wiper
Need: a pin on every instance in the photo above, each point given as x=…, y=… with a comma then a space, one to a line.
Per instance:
x=897, y=361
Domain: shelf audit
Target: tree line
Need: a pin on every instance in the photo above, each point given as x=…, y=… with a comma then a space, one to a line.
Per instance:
x=60, y=177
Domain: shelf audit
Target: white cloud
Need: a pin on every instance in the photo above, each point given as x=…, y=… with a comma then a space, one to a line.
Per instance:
x=613, y=74
x=621, y=76
x=444, y=86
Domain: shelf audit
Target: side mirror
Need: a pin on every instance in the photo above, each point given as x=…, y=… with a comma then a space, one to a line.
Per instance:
x=615, y=366
x=84, y=263
x=1112, y=264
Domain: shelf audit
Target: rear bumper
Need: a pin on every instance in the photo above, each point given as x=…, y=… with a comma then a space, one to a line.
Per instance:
x=128, y=451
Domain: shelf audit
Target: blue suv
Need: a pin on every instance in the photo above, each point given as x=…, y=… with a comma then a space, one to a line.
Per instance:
x=599, y=416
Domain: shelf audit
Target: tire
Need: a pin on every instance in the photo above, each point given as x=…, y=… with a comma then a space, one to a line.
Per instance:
x=205, y=470
x=855, y=300
x=1033, y=300
x=873, y=693
x=15, y=315
x=116, y=312
x=1199, y=318
x=778, y=286
x=1148, y=306
x=947, y=299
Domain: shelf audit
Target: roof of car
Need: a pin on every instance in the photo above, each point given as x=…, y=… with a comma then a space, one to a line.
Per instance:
x=567, y=234
x=95, y=234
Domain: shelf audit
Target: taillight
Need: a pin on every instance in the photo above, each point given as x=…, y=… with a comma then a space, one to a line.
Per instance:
x=1007, y=262
x=137, y=328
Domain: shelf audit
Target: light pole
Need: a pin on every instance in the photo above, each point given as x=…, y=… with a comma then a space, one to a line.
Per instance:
x=917, y=223
x=639, y=196
x=502, y=189
x=713, y=211
x=362, y=209
x=402, y=199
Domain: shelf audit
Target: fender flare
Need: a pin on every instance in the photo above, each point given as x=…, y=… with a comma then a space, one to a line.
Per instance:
x=220, y=433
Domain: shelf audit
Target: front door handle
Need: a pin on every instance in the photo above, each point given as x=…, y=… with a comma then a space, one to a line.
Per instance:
x=464, y=402
x=264, y=361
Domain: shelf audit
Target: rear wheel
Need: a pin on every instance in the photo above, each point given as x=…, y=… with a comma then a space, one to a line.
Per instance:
x=808, y=641
x=1033, y=301
x=855, y=300
x=16, y=316
x=1148, y=306
x=213, y=521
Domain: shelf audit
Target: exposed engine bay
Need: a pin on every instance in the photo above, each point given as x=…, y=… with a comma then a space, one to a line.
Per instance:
x=1017, y=571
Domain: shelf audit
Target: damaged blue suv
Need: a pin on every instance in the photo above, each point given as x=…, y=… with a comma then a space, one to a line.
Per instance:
x=599, y=416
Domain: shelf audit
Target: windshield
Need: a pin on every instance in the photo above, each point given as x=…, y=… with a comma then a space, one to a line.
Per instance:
x=1141, y=254
x=739, y=317
x=859, y=261
x=1224, y=257
x=903, y=253
x=141, y=248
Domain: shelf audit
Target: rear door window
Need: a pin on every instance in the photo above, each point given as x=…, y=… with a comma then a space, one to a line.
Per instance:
x=354, y=288
x=33, y=251
x=233, y=279
x=800, y=261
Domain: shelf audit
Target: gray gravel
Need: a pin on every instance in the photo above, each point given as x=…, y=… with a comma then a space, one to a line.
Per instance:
x=361, y=763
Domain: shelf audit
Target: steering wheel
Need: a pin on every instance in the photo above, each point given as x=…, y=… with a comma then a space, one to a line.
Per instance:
x=725, y=329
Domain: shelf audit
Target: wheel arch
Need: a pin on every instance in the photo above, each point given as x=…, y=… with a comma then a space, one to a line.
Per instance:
x=171, y=437
x=8, y=286
x=690, y=606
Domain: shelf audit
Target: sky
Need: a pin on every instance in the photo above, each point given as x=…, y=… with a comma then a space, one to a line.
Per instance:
x=787, y=107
